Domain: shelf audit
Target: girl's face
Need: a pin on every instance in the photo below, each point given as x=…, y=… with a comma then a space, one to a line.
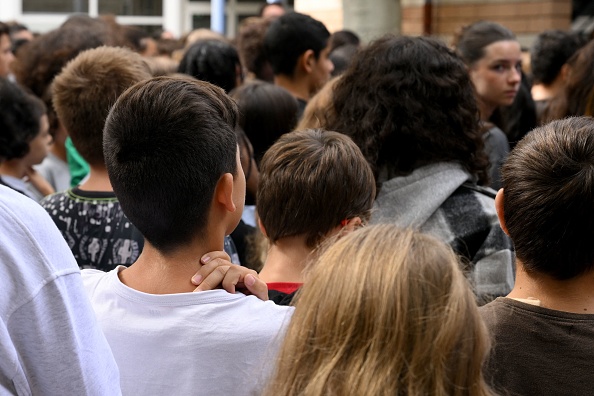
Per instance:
x=497, y=75
x=39, y=146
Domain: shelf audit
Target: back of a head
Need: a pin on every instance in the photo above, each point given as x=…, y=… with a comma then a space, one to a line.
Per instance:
x=548, y=183
x=550, y=51
x=214, y=61
x=408, y=102
x=577, y=98
x=86, y=89
x=408, y=321
x=167, y=142
x=43, y=58
x=344, y=37
x=250, y=44
x=471, y=41
x=289, y=36
x=310, y=181
x=19, y=120
x=266, y=112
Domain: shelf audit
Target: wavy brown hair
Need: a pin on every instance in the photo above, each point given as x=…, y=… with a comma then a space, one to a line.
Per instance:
x=409, y=102
x=384, y=312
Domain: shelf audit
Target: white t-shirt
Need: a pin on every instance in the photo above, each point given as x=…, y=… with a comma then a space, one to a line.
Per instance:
x=50, y=343
x=205, y=343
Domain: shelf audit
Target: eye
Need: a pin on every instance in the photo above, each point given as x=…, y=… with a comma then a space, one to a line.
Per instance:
x=499, y=68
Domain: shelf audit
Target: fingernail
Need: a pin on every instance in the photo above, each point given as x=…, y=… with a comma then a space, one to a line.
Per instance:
x=196, y=279
x=205, y=259
x=250, y=280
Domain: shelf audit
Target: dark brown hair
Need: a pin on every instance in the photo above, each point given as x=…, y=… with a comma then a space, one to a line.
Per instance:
x=309, y=182
x=548, y=183
x=168, y=141
x=409, y=102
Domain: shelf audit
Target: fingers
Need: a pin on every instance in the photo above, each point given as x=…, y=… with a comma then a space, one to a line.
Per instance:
x=256, y=286
x=215, y=273
x=218, y=271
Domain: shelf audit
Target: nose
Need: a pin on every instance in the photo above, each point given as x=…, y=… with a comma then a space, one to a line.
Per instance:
x=515, y=76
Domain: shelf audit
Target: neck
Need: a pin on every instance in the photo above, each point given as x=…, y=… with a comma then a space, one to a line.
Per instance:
x=574, y=295
x=544, y=92
x=98, y=180
x=286, y=260
x=294, y=85
x=14, y=168
x=158, y=273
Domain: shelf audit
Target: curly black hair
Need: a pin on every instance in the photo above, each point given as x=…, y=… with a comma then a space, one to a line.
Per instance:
x=409, y=102
x=20, y=115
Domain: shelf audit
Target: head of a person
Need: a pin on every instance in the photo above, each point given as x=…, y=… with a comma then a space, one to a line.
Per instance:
x=250, y=44
x=297, y=38
x=577, y=97
x=344, y=37
x=408, y=102
x=548, y=198
x=44, y=57
x=494, y=60
x=86, y=89
x=310, y=182
x=6, y=55
x=550, y=52
x=170, y=150
x=272, y=9
x=266, y=111
x=214, y=61
x=23, y=125
x=384, y=311
x=341, y=58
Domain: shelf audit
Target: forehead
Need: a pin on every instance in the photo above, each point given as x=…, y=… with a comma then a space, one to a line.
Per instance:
x=508, y=49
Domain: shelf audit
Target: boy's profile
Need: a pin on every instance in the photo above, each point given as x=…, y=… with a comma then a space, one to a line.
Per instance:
x=172, y=158
x=313, y=185
x=297, y=47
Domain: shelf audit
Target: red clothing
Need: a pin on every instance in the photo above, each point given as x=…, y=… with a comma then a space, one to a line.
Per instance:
x=284, y=287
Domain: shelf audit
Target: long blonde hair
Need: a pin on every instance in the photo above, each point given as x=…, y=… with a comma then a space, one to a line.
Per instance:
x=384, y=312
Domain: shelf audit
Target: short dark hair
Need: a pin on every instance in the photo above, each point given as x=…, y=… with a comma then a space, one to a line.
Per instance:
x=167, y=142
x=86, y=89
x=214, y=61
x=289, y=36
x=409, y=102
x=20, y=115
x=550, y=51
x=309, y=182
x=548, y=200
x=266, y=111
x=343, y=37
x=472, y=39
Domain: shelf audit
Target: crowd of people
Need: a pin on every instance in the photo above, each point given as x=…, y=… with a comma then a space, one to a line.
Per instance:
x=295, y=212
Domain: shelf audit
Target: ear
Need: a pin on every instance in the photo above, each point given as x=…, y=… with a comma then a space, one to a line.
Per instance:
x=499, y=209
x=223, y=194
x=350, y=226
x=308, y=61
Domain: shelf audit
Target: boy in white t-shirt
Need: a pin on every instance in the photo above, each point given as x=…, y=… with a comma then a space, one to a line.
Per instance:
x=173, y=162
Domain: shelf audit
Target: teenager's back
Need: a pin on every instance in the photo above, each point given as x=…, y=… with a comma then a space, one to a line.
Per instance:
x=201, y=343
